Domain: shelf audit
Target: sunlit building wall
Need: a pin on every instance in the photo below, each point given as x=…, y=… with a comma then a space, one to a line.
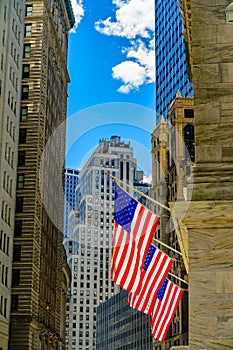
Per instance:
x=92, y=239
x=40, y=275
x=11, y=52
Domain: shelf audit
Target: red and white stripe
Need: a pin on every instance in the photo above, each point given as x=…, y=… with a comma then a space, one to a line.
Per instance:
x=150, y=282
x=130, y=249
x=164, y=311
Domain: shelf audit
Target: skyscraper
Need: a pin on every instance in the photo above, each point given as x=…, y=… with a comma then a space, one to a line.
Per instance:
x=71, y=181
x=92, y=238
x=40, y=275
x=11, y=52
x=170, y=55
x=120, y=327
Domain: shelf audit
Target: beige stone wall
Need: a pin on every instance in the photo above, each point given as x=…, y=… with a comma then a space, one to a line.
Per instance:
x=207, y=222
x=212, y=42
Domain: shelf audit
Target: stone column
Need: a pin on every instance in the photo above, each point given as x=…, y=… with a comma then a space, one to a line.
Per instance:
x=206, y=224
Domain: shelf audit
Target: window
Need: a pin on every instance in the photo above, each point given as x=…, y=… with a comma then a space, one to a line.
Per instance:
x=26, y=70
x=22, y=135
x=17, y=252
x=18, y=228
x=27, y=51
x=28, y=30
x=229, y=13
x=25, y=92
x=14, y=302
x=19, y=205
x=21, y=157
x=20, y=181
x=15, y=277
x=28, y=12
x=24, y=114
x=189, y=113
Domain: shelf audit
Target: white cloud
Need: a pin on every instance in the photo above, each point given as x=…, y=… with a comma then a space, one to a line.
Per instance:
x=131, y=73
x=134, y=20
x=138, y=71
x=147, y=178
x=78, y=9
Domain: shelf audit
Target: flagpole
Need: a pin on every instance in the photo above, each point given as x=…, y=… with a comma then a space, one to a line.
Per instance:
x=178, y=278
x=154, y=201
x=141, y=193
x=151, y=199
x=167, y=246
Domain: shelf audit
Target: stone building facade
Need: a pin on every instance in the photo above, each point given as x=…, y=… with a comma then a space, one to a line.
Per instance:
x=206, y=223
x=173, y=154
x=11, y=52
x=40, y=275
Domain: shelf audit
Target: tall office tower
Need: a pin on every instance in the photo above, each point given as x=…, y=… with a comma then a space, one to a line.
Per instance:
x=71, y=181
x=40, y=275
x=120, y=327
x=170, y=56
x=92, y=239
x=11, y=52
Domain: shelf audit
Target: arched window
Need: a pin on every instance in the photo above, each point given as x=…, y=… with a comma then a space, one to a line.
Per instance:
x=229, y=13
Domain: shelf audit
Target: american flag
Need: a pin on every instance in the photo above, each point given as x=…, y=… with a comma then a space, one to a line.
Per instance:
x=134, y=229
x=155, y=270
x=164, y=309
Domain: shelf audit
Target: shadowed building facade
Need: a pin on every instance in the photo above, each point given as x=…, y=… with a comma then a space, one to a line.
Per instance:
x=40, y=275
x=120, y=327
x=206, y=222
x=173, y=154
x=11, y=52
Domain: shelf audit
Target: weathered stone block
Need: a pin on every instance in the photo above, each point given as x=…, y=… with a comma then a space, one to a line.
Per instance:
x=208, y=153
x=198, y=38
x=226, y=71
x=211, y=74
x=224, y=284
x=224, y=33
x=208, y=113
x=227, y=154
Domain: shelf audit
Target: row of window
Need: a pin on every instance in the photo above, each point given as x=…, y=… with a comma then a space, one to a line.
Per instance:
x=7, y=183
x=15, y=54
x=3, y=306
x=13, y=78
x=4, y=274
x=10, y=127
x=9, y=155
x=12, y=102
x=16, y=30
x=6, y=213
x=4, y=242
x=18, y=9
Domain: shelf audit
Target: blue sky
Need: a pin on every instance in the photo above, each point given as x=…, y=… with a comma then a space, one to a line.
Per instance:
x=111, y=66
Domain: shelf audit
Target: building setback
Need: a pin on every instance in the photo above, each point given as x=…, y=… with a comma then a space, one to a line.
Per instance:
x=91, y=239
x=40, y=275
x=11, y=52
x=170, y=56
x=119, y=327
x=71, y=181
